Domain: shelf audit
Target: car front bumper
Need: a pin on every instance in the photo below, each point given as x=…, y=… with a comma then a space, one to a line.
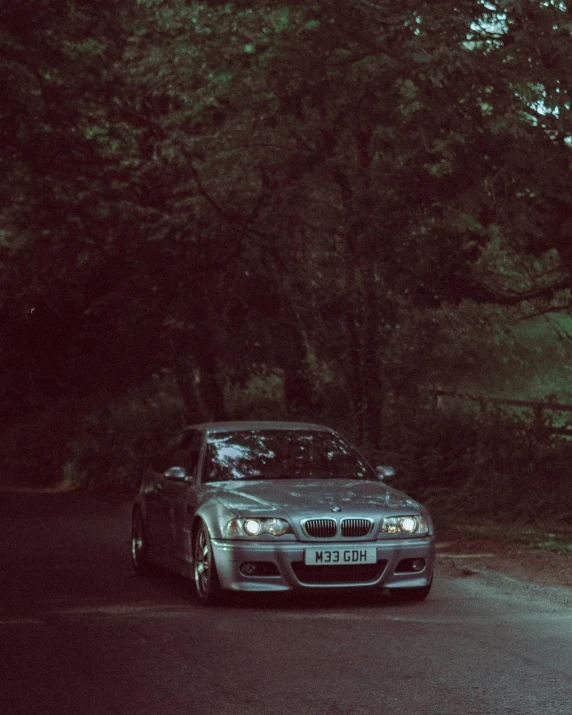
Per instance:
x=285, y=570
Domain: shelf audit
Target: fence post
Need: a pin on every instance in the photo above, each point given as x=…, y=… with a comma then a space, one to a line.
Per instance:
x=538, y=421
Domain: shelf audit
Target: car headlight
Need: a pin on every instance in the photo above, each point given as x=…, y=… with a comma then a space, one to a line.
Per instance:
x=253, y=527
x=250, y=526
x=405, y=525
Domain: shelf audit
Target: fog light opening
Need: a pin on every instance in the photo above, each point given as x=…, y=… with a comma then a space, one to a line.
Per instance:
x=258, y=568
x=410, y=566
x=248, y=569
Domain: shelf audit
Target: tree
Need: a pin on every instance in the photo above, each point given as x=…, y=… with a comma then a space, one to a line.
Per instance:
x=291, y=185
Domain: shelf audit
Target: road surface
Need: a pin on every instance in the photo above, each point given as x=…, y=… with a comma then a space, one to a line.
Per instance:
x=81, y=634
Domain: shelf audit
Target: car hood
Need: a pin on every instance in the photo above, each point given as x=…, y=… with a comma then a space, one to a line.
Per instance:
x=310, y=495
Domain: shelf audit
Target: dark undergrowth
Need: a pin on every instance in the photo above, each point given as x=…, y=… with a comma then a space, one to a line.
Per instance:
x=490, y=468
x=468, y=467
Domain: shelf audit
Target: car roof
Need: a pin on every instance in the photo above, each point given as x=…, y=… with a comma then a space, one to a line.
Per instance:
x=241, y=425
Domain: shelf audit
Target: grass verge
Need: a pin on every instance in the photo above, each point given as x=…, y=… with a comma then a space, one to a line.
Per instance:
x=478, y=535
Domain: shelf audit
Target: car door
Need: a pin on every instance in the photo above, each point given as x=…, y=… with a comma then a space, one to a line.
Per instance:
x=181, y=495
x=156, y=503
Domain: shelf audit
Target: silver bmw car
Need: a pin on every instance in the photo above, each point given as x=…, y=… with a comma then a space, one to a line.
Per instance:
x=279, y=506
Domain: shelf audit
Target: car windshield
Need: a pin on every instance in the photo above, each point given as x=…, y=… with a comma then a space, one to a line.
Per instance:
x=282, y=454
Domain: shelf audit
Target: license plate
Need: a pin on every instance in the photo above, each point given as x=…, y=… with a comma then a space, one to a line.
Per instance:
x=328, y=557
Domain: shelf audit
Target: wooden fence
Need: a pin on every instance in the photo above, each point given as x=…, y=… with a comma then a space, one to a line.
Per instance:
x=543, y=411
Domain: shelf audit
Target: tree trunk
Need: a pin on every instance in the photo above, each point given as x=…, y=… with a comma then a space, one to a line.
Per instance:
x=372, y=371
x=186, y=376
x=211, y=384
x=353, y=320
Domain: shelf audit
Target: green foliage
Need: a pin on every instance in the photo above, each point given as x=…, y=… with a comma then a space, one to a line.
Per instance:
x=102, y=441
x=262, y=398
x=114, y=440
x=529, y=362
x=475, y=467
x=29, y=452
x=213, y=187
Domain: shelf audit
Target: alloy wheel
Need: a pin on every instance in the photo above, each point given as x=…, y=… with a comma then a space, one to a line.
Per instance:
x=206, y=579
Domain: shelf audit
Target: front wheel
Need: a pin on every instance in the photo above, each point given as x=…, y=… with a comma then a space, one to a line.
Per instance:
x=207, y=585
x=411, y=594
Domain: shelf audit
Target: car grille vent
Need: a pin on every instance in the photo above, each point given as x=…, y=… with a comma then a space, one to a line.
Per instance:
x=321, y=528
x=338, y=574
x=353, y=528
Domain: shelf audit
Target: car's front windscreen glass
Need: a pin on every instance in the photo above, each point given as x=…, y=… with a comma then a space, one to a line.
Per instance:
x=282, y=454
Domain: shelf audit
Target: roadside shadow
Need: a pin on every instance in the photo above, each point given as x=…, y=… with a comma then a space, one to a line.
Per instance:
x=179, y=589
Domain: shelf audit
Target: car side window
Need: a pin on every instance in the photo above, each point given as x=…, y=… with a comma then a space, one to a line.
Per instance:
x=187, y=452
x=187, y=458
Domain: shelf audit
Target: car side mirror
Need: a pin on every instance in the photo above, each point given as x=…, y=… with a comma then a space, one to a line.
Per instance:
x=178, y=474
x=385, y=473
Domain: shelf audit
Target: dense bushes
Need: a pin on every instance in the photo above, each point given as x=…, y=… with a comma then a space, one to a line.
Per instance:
x=101, y=442
x=480, y=466
x=34, y=447
x=114, y=441
x=469, y=466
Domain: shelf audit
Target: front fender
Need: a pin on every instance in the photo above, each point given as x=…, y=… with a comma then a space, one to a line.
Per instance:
x=215, y=516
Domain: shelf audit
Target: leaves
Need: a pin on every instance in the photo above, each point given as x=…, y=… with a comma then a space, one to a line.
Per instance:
x=301, y=178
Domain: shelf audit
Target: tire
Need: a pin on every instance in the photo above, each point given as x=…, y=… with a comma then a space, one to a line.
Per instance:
x=139, y=545
x=207, y=585
x=411, y=594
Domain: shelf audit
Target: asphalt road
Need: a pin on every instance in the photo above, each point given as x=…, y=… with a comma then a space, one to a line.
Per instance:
x=81, y=634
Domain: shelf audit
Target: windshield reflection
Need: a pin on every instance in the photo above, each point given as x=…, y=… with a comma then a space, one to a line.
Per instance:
x=282, y=454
